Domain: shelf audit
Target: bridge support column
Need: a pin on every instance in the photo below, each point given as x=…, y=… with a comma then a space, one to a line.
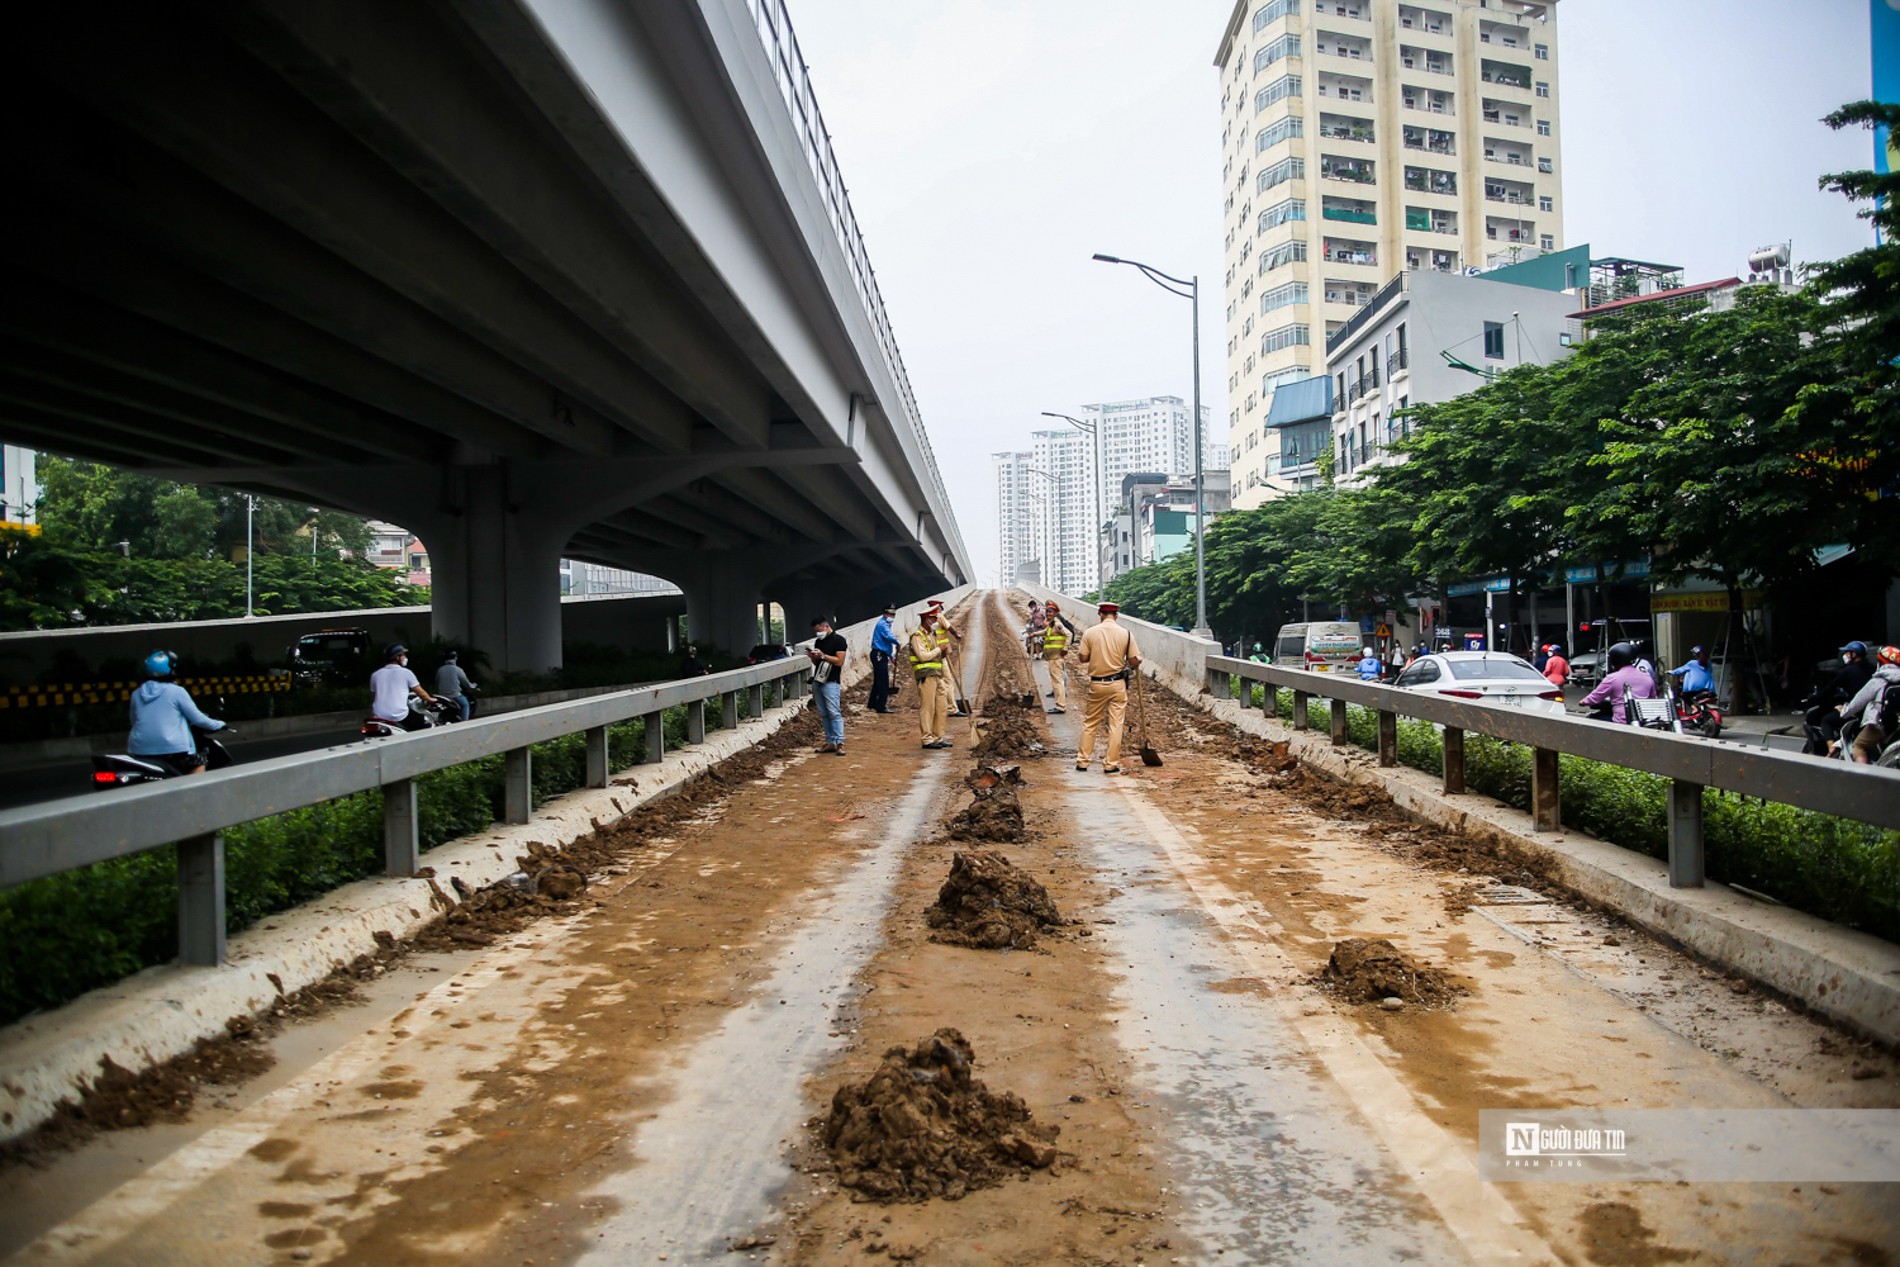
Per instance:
x=496, y=571
x=722, y=605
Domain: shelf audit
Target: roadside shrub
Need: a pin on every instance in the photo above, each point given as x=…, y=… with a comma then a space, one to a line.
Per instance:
x=66, y=934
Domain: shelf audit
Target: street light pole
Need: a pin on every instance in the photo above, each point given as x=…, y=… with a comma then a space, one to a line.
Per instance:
x=1095, y=433
x=250, y=549
x=1193, y=295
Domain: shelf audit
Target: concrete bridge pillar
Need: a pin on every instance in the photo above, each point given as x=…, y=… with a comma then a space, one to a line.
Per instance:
x=496, y=567
x=722, y=604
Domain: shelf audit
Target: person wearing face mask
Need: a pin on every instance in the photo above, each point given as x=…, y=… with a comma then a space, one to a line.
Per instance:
x=390, y=688
x=1822, y=708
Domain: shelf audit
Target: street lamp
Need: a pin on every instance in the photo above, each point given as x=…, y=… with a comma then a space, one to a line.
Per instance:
x=1193, y=295
x=1095, y=434
x=250, y=549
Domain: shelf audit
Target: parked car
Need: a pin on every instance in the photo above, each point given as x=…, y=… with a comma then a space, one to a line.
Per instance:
x=339, y=655
x=1324, y=646
x=1484, y=677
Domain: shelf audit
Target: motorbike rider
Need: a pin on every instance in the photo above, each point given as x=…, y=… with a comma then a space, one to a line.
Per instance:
x=1862, y=716
x=1626, y=674
x=163, y=716
x=390, y=688
x=1259, y=655
x=452, y=684
x=1697, y=677
x=1822, y=715
x=1370, y=670
x=1556, y=667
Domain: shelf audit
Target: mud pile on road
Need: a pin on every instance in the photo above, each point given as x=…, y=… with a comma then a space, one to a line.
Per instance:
x=1372, y=969
x=924, y=1126
x=994, y=814
x=1008, y=728
x=987, y=904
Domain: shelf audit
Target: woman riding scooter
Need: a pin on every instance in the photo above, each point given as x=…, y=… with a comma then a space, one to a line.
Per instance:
x=1822, y=718
x=163, y=717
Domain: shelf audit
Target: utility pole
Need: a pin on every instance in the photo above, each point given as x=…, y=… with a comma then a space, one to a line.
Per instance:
x=250, y=549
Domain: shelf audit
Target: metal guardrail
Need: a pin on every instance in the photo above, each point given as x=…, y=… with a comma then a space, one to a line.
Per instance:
x=774, y=27
x=1839, y=788
x=55, y=836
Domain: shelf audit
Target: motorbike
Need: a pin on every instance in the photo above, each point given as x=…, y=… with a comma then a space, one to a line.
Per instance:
x=1662, y=712
x=1698, y=714
x=122, y=769
x=423, y=715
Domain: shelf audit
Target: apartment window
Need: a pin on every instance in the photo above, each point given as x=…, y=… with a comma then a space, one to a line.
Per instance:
x=1543, y=127
x=1282, y=255
x=1291, y=336
x=1279, y=378
x=1273, y=12
x=1285, y=46
x=1281, y=212
x=1280, y=130
x=1543, y=165
x=1339, y=389
x=1279, y=90
x=1281, y=172
x=1494, y=340
x=1544, y=203
x=1281, y=296
x=1543, y=89
x=1543, y=52
x=1547, y=241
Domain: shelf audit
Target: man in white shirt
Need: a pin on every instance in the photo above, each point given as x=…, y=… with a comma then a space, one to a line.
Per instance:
x=390, y=688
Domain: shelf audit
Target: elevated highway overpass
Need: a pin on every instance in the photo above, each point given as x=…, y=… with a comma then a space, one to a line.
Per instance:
x=533, y=278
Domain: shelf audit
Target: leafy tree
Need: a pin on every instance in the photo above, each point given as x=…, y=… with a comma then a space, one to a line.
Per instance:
x=1852, y=413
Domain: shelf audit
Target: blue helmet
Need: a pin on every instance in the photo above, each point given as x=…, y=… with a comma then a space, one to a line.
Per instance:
x=1857, y=647
x=161, y=664
x=394, y=651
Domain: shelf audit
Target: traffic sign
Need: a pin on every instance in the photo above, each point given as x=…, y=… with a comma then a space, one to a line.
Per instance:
x=1384, y=631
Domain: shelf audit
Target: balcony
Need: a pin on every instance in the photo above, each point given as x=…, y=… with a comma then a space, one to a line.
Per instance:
x=1430, y=220
x=1430, y=61
x=1438, y=261
x=1431, y=140
x=1505, y=74
x=1503, y=113
x=1503, y=34
x=1509, y=157
x=1345, y=87
x=1425, y=180
x=1352, y=47
x=1351, y=211
x=1345, y=251
x=1428, y=101
x=1357, y=12
x=1339, y=127
x=1425, y=21
x=1351, y=294
x=1395, y=364
x=1358, y=171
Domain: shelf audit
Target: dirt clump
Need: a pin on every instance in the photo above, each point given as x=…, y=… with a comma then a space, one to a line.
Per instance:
x=987, y=904
x=994, y=814
x=1372, y=969
x=1008, y=729
x=924, y=1126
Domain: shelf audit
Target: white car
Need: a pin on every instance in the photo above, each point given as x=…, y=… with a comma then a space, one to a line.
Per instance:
x=1483, y=677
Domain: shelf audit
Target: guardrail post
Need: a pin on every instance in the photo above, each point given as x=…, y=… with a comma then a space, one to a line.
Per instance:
x=1685, y=835
x=598, y=765
x=696, y=721
x=1544, y=801
x=517, y=781
x=1454, y=760
x=656, y=737
x=729, y=710
x=1245, y=696
x=201, y=900
x=755, y=700
x=1300, y=699
x=1388, y=737
x=402, y=840
x=1341, y=736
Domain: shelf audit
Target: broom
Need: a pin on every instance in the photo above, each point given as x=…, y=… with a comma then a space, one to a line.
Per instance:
x=1149, y=757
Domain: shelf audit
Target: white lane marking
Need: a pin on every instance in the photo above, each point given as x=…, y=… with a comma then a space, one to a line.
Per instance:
x=1484, y=1221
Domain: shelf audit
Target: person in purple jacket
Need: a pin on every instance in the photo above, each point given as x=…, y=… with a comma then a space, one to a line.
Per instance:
x=1624, y=673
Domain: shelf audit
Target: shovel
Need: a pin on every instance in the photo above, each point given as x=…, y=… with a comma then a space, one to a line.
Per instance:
x=1149, y=757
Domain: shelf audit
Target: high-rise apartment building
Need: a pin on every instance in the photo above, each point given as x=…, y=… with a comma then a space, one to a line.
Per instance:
x=1361, y=138
x=1155, y=433
x=1062, y=471
x=1018, y=518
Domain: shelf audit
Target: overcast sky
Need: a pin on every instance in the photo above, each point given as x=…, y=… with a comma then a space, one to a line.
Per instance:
x=992, y=146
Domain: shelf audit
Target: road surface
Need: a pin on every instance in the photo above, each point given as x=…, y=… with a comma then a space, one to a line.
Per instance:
x=638, y=1080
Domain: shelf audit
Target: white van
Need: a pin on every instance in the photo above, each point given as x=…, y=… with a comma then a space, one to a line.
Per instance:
x=1325, y=646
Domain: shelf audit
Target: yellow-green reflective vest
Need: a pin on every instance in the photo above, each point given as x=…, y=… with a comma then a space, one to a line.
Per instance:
x=917, y=665
x=1055, y=637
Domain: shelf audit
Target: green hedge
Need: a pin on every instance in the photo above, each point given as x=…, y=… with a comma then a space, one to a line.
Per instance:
x=1836, y=868
x=65, y=934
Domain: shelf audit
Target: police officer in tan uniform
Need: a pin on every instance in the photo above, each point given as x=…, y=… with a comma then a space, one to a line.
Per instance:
x=926, y=662
x=950, y=643
x=1055, y=653
x=1110, y=657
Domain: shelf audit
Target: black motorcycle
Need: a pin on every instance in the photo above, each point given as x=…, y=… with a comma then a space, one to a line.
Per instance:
x=121, y=769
